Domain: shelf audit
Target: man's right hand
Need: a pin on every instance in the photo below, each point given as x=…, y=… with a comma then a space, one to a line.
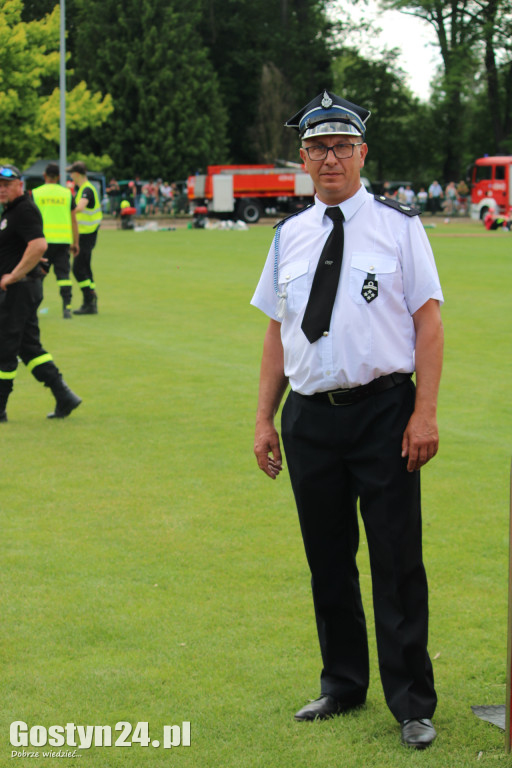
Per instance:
x=267, y=449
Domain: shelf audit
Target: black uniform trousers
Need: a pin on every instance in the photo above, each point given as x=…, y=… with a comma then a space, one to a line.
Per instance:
x=82, y=268
x=57, y=255
x=337, y=455
x=19, y=336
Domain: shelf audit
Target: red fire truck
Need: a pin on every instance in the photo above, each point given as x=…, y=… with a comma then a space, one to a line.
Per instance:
x=248, y=191
x=491, y=186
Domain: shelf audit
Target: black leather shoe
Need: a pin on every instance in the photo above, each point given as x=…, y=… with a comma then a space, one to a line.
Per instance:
x=324, y=707
x=418, y=732
x=3, y=416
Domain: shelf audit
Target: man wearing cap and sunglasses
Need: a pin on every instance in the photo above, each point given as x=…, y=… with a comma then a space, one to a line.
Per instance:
x=353, y=296
x=22, y=246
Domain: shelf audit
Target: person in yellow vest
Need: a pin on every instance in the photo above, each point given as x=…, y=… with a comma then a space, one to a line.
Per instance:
x=60, y=226
x=89, y=217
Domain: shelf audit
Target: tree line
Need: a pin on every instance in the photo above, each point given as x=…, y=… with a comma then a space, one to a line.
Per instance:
x=160, y=88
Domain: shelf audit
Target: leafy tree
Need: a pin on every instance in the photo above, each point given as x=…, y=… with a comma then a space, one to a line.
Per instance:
x=468, y=33
x=20, y=75
x=160, y=59
x=267, y=135
x=495, y=20
x=401, y=142
x=29, y=57
x=35, y=9
x=168, y=117
x=83, y=108
x=253, y=43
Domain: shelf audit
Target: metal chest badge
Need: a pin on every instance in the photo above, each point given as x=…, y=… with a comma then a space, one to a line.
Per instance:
x=370, y=289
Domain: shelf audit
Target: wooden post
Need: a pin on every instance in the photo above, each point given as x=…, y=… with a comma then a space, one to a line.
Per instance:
x=508, y=703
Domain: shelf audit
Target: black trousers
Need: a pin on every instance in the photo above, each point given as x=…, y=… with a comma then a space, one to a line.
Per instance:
x=82, y=267
x=337, y=455
x=19, y=337
x=57, y=255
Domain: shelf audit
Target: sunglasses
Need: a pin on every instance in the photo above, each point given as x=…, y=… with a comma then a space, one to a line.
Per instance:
x=8, y=173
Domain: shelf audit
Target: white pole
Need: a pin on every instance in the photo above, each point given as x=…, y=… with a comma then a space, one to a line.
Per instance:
x=62, y=84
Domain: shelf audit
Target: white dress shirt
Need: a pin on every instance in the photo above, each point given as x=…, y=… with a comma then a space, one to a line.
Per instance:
x=365, y=340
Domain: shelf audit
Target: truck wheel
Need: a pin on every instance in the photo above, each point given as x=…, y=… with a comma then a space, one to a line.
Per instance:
x=249, y=211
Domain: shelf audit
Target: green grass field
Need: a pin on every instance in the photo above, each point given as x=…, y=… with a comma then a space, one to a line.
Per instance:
x=151, y=573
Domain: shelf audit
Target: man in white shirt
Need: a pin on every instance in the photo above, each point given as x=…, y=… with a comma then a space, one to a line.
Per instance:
x=165, y=197
x=435, y=193
x=409, y=196
x=354, y=426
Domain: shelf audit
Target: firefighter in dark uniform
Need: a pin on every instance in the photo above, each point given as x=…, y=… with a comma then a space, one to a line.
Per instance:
x=89, y=217
x=60, y=227
x=352, y=294
x=22, y=246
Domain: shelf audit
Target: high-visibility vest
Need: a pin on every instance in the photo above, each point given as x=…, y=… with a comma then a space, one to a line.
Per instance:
x=54, y=202
x=90, y=218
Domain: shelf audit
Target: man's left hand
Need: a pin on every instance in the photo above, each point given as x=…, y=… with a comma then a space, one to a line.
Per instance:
x=420, y=441
x=6, y=280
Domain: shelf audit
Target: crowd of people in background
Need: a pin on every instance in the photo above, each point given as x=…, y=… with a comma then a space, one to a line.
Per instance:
x=148, y=198
x=453, y=200
x=153, y=197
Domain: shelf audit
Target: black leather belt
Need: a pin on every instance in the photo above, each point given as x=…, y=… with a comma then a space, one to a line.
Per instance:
x=355, y=394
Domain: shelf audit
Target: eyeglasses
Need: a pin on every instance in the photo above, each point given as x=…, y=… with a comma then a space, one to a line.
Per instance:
x=340, y=151
x=8, y=173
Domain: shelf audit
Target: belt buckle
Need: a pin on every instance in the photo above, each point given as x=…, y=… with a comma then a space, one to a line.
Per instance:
x=330, y=395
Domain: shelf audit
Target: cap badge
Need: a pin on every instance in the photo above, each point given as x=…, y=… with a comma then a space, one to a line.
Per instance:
x=326, y=101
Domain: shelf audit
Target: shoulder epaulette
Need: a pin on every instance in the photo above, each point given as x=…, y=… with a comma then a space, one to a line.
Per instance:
x=291, y=215
x=402, y=207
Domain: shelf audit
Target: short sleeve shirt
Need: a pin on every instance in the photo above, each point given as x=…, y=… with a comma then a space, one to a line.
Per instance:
x=89, y=196
x=365, y=340
x=20, y=223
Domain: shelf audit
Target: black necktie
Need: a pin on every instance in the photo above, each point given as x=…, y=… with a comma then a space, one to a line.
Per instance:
x=317, y=316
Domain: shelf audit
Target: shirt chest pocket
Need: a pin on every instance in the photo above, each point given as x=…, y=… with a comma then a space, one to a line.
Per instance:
x=293, y=281
x=382, y=265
